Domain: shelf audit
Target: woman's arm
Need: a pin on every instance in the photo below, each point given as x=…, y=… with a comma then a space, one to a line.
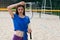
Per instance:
x=30, y=31
x=29, y=28
x=13, y=6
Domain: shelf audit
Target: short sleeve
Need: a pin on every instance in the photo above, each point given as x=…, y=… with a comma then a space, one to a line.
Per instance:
x=14, y=16
x=28, y=20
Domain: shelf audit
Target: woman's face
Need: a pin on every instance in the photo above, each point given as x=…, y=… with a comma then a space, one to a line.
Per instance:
x=20, y=10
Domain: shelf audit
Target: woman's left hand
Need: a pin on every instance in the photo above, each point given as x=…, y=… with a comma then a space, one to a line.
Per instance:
x=29, y=30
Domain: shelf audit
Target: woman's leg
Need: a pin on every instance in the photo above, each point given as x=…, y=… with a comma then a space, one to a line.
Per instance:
x=17, y=37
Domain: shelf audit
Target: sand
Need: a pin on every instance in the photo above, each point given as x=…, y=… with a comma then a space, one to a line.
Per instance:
x=46, y=27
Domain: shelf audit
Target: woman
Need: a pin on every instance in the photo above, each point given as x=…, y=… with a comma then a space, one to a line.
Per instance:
x=20, y=20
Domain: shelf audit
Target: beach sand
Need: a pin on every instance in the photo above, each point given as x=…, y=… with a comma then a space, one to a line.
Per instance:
x=46, y=27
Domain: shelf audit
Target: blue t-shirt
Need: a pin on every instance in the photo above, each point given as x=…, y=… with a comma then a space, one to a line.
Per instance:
x=21, y=24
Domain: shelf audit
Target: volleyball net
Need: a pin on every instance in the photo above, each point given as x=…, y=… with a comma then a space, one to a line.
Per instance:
x=41, y=7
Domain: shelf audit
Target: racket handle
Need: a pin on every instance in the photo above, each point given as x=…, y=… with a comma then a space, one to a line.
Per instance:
x=30, y=36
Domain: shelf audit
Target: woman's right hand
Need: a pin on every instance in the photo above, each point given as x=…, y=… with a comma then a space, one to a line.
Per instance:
x=22, y=3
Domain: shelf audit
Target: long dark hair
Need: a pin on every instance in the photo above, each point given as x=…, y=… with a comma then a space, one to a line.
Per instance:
x=20, y=6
